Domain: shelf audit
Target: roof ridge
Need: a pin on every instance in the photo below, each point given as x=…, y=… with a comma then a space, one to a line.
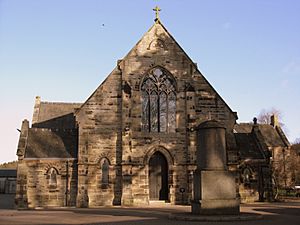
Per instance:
x=51, y=129
x=282, y=136
x=71, y=103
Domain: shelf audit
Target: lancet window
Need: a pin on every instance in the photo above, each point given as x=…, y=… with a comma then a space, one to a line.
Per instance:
x=52, y=178
x=104, y=173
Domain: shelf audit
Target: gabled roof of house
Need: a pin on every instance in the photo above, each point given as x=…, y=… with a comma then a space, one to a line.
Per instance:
x=50, y=110
x=254, y=142
x=50, y=143
x=248, y=146
x=243, y=127
x=274, y=137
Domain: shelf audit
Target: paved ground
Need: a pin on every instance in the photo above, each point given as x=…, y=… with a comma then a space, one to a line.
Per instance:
x=7, y=201
x=275, y=213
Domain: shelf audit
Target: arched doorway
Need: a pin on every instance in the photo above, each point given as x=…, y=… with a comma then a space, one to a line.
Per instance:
x=158, y=177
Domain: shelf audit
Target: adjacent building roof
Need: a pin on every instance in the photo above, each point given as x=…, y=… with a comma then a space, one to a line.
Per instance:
x=248, y=146
x=273, y=136
x=8, y=173
x=54, y=115
x=243, y=127
x=253, y=141
x=50, y=110
x=49, y=143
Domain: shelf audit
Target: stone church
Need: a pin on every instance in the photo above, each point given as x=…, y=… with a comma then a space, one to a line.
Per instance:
x=132, y=141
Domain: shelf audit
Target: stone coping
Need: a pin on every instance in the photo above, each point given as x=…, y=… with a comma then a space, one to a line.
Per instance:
x=215, y=218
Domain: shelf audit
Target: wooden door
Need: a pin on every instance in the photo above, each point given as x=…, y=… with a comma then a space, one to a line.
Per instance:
x=158, y=177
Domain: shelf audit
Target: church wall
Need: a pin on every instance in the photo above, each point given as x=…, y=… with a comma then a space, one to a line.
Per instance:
x=100, y=137
x=34, y=188
x=193, y=107
x=110, y=126
x=100, y=194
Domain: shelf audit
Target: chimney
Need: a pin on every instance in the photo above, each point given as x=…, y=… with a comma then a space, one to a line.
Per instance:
x=274, y=121
x=36, y=110
x=23, y=139
x=255, y=121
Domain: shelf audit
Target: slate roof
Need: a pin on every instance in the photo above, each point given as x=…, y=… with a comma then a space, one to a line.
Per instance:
x=55, y=115
x=50, y=110
x=273, y=137
x=248, y=146
x=243, y=127
x=254, y=143
x=50, y=143
x=8, y=173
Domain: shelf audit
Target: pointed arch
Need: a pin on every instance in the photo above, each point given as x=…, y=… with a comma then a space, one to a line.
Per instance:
x=52, y=177
x=165, y=152
x=104, y=171
x=158, y=91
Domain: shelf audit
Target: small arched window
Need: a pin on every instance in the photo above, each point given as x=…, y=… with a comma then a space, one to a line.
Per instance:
x=104, y=173
x=158, y=102
x=52, y=178
x=247, y=175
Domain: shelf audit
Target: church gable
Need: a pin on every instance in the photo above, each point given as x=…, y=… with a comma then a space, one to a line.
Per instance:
x=147, y=109
x=102, y=104
x=158, y=48
x=99, y=119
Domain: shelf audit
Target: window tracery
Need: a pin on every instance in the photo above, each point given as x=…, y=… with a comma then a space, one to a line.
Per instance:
x=158, y=102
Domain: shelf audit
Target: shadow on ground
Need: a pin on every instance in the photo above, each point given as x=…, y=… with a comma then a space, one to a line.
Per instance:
x=7, y=201
x=273, y=214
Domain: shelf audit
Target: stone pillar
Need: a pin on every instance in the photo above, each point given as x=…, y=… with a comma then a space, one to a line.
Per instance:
x=36, y=110
x=82, y=194
x=127, y=198
x=214, y=185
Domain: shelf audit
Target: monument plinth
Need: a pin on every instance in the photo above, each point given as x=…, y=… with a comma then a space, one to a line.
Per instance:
x=214, y=185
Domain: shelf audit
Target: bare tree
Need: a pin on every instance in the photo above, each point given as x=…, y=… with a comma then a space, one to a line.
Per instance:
x=9, y=165
x=265, y=116
x=297, y=141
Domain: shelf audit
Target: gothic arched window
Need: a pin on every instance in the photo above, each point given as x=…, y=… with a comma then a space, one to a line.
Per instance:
x=52, y=178
x=158, y=102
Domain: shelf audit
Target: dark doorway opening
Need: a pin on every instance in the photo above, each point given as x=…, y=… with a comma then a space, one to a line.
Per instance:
x=158, y=177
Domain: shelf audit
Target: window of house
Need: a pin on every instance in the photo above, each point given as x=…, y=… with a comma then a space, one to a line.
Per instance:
x=247, y=176
x=158, y=102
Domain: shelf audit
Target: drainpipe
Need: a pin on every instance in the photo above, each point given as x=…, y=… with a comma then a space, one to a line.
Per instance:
x=67, y=183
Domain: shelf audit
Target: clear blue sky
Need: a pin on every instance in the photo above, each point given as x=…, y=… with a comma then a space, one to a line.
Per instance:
x=60, y=50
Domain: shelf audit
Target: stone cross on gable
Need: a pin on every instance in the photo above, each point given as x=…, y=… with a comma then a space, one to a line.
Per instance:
x=157, y=10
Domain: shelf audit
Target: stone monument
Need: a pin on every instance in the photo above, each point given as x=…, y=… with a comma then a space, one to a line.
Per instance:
x=214, y=185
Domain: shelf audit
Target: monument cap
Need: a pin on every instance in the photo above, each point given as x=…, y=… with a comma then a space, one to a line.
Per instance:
x=211, y=124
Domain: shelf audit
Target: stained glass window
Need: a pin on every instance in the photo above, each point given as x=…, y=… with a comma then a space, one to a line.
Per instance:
x=172, y=112
x=158, y=102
